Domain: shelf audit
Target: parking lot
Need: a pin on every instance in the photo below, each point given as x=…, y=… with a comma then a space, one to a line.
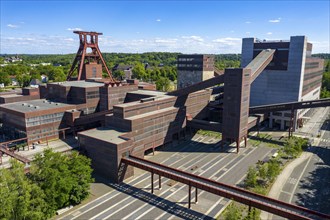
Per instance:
x=202, y=156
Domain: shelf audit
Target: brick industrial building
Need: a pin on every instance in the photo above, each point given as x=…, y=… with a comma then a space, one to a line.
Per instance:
x=141, y=125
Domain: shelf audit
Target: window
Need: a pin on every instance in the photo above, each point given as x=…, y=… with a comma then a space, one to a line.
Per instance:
x=94, y=72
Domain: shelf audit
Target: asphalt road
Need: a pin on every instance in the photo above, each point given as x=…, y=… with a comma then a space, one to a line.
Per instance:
x=202, y=156
x=309, y=183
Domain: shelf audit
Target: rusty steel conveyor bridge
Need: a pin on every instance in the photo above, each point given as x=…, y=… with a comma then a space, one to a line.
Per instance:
x=274, y=206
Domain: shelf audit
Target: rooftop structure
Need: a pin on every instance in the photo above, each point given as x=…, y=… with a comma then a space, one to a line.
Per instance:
x=24, y=95
x=80, y=84
x=33, y=105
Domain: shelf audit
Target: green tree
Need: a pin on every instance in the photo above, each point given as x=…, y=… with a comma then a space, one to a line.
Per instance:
x=325, y=93
x=4, y=78
x=251, y=178
x=20, y=198
x=253, y=214
x=65, y=179
x=138, y=71
x=118, y=74
x=35, y=74
x=263, y=169
x=59, y=75
x=23, y=80
x=163, y=84
x=233, y=212
x=273, y=169
x=80, y=169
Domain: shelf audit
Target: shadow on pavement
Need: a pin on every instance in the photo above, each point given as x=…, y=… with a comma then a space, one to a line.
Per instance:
x=170, y=207
x=316, y=186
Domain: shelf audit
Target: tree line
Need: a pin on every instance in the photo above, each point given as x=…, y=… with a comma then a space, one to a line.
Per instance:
x=161, y=67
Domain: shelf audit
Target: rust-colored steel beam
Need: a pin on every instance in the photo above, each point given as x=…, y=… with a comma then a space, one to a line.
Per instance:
x=289, y=106
x=260, y=62
x=274, y=206
x=198, y=86
x=14, y=155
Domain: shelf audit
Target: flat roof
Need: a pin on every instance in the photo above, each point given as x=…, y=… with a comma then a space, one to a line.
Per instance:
x=148, y=92
x=80, y=83
x=150, y=113
x=35, y=105
x=138, y=102
x=10, y=95
x=107, y=134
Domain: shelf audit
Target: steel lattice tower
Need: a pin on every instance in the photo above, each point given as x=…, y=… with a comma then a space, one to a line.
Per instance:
x=88, y=40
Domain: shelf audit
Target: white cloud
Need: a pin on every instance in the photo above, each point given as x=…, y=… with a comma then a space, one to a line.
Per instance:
x=46, y=44
x=275, y=20
x=12, y=25
x=166, y=41
x=158, y=20
x=42, y=44
x=69, y=39
x=74, y=29
x=269, y=33
x=248, y=22
x=193, y=38
x=320, y=46
x=227, y=41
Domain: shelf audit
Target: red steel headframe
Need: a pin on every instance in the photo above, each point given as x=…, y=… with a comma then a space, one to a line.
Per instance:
x=81, y=56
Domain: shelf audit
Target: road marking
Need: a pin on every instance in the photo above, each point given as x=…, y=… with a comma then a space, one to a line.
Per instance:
x=76, y=213
x=215, y=179
x=292, y=180
x=118, y=193
x=193, y=158
x=296, y=185
x=173, y=190
x=285, y=192
x=221, y=210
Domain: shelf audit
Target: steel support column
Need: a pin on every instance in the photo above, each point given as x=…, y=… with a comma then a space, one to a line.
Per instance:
x=189, y=197
x=196, y=195
x=291, y=123
x=159, y=181
x=152, y=183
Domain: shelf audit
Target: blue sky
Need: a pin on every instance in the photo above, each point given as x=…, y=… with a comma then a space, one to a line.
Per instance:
x=45, y=27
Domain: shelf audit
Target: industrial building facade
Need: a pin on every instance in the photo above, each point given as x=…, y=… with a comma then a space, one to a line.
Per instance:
x=36, y=119
x=194, y=68
x=293, y=75
x=62, y=104
x=134, y=127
